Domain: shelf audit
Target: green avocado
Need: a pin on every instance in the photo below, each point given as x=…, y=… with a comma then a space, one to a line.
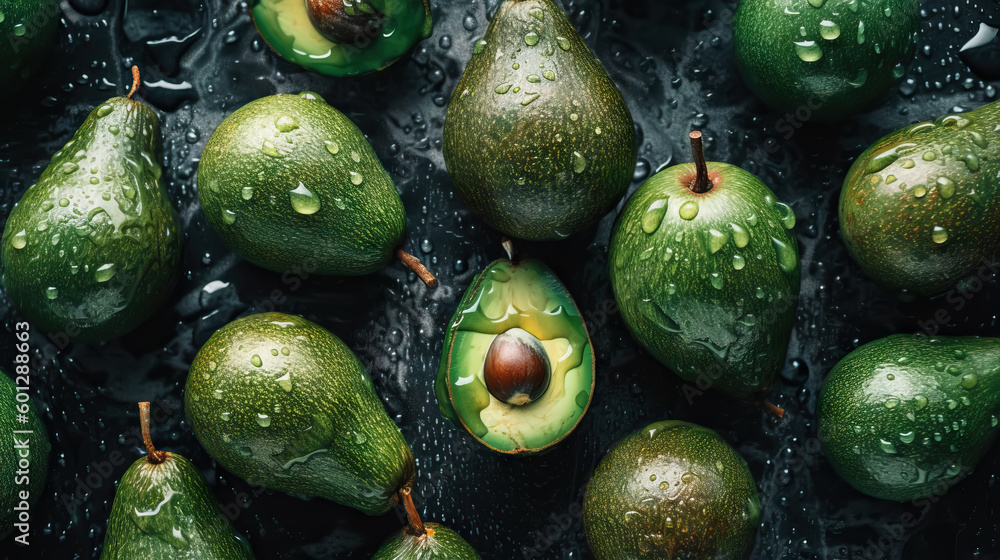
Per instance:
x=825, y=59
x=164, y=511
x=27, y=28
x=342, y=37
x=438, y=543
x=707, y=278
x=671, y=490
x=93, y=248
x=281, y=402
x=290, y=183
x=907, y=416
x=919, y=209
x=32, y=481
x=537, y=139
x=517, y=370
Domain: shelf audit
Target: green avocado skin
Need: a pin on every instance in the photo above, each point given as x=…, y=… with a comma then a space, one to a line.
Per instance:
x=305, y=421
x=907, y=416
x=38, y=449
x=291, y=184
x=712, y=297
x=865, y=46
x=92, y=249
x=165, y=511
x=27, y=29
x=671, y=490
x=919, y=209
x=444, y=544
x=538, y=139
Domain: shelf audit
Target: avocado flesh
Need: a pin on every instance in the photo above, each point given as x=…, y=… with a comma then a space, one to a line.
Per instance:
x=165, y=511
x=39, y=449
x=538, y=139
x=907, y=416
x=919, y=209
x=709, y=282
x=92, y=249
x=285, y=26
x=671, y=490
x=290, y=183
x=281, y=402
x=439, y=542
x=524, y=295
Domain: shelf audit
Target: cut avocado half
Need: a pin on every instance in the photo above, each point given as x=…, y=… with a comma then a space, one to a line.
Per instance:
x=517, y=371
x=287, y=28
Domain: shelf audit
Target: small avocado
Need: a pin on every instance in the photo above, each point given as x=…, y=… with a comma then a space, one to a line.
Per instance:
x=342, y=37
x=517, y=371
x=290, y=183
x=27, y=28
x=93, y=248
x=281, y=402
x=164, y=511
x=907, y=416
x=671, y=490
x=537, y=139
x=705, y=271
x=424, y=541
x=38, y=451
x=919, y=209
x=826, y=59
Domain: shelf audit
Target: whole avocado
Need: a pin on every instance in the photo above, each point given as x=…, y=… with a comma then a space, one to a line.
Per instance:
x=919, y=208
x=538, y=140
x=27, y=28
x=825, y=59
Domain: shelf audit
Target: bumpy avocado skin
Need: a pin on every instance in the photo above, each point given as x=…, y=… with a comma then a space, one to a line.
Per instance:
x=907, y=416
x=165, y=511
x=525, y=295
x=919, y=208
x=538, y=140
x=708, y=283
x=440, y=543
x=671, y=490
x=281, y=402
x=291, y=184
x=824, y=58
x=93, y=248
x=38, y=453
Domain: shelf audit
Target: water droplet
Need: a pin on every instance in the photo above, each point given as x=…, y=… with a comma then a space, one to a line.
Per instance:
x=226, y=416
x=716, y=280
x=105, y=272
x=579, y=162
x=339, y=203
x=906, y=437
x=533, y=78
x=52, y=292
x=716, y=240
x=285, y=382
x=808, y=51
x=759, y=293
x=480, y=47
x=531, y=97
x=19, y=240
x=332, y=147
x=285, y=123
x=908, y=164
x=861, y=32
x=971, y=162
x=891, y=402
x=939, y=235
x=946, y=187
x=247, y=193
x=919, y=191
x=269, y=149
x=890, y=377
x=653, y=217
x=303, y=200
x=887, y=446
x=929, y=156
x=256, y=361
x=787, y=259
x=356, y=178
x=817, y=3
x=113, y=129
x=829, y=30
x=574, y=117
x=68, y=167
x=531, y=39
x=898, y=71
x=994, y=421
x=228, y=216
x=785, y=214
x=563, y=43
x=969, y=380
x=536, y=13
x=550, y=76
x=503, y=88
x=664, y=485
x=740, y=236
x=263, y=419
x=953, y=470
x=104, y=110
x=739, y=262
x=688, y=210
x=860, y=79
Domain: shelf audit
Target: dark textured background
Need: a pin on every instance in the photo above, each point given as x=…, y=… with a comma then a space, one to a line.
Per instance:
x=673, y=60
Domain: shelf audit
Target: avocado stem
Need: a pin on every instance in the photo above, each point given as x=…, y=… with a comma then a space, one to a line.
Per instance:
x=701, y=183
x=412, y=517
x=414, y=264
x=135, y=82
x=508, y=246
x=773, y=409
x=152, y=455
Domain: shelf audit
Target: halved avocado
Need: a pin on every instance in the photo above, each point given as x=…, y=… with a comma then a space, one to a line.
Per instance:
x=391, y=29
x=517, y=371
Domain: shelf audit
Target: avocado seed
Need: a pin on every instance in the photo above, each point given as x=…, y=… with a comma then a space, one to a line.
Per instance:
x=517, y=368
x=345, y=21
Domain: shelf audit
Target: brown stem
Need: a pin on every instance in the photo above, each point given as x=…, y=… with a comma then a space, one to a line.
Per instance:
x=135, y=82
x=508, y=246
x=773, y=409
x=414, y=264
x=701, y=183
x=412, y=517
x=152, y=455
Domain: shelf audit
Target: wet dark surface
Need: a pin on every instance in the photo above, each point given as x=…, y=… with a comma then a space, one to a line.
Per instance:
x=674, y=63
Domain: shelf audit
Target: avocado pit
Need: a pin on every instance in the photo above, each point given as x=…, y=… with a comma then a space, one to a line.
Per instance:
x=517, y=369
x=344, y=21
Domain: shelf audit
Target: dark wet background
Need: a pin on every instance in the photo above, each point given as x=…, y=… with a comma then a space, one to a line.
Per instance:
x=673, y=60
